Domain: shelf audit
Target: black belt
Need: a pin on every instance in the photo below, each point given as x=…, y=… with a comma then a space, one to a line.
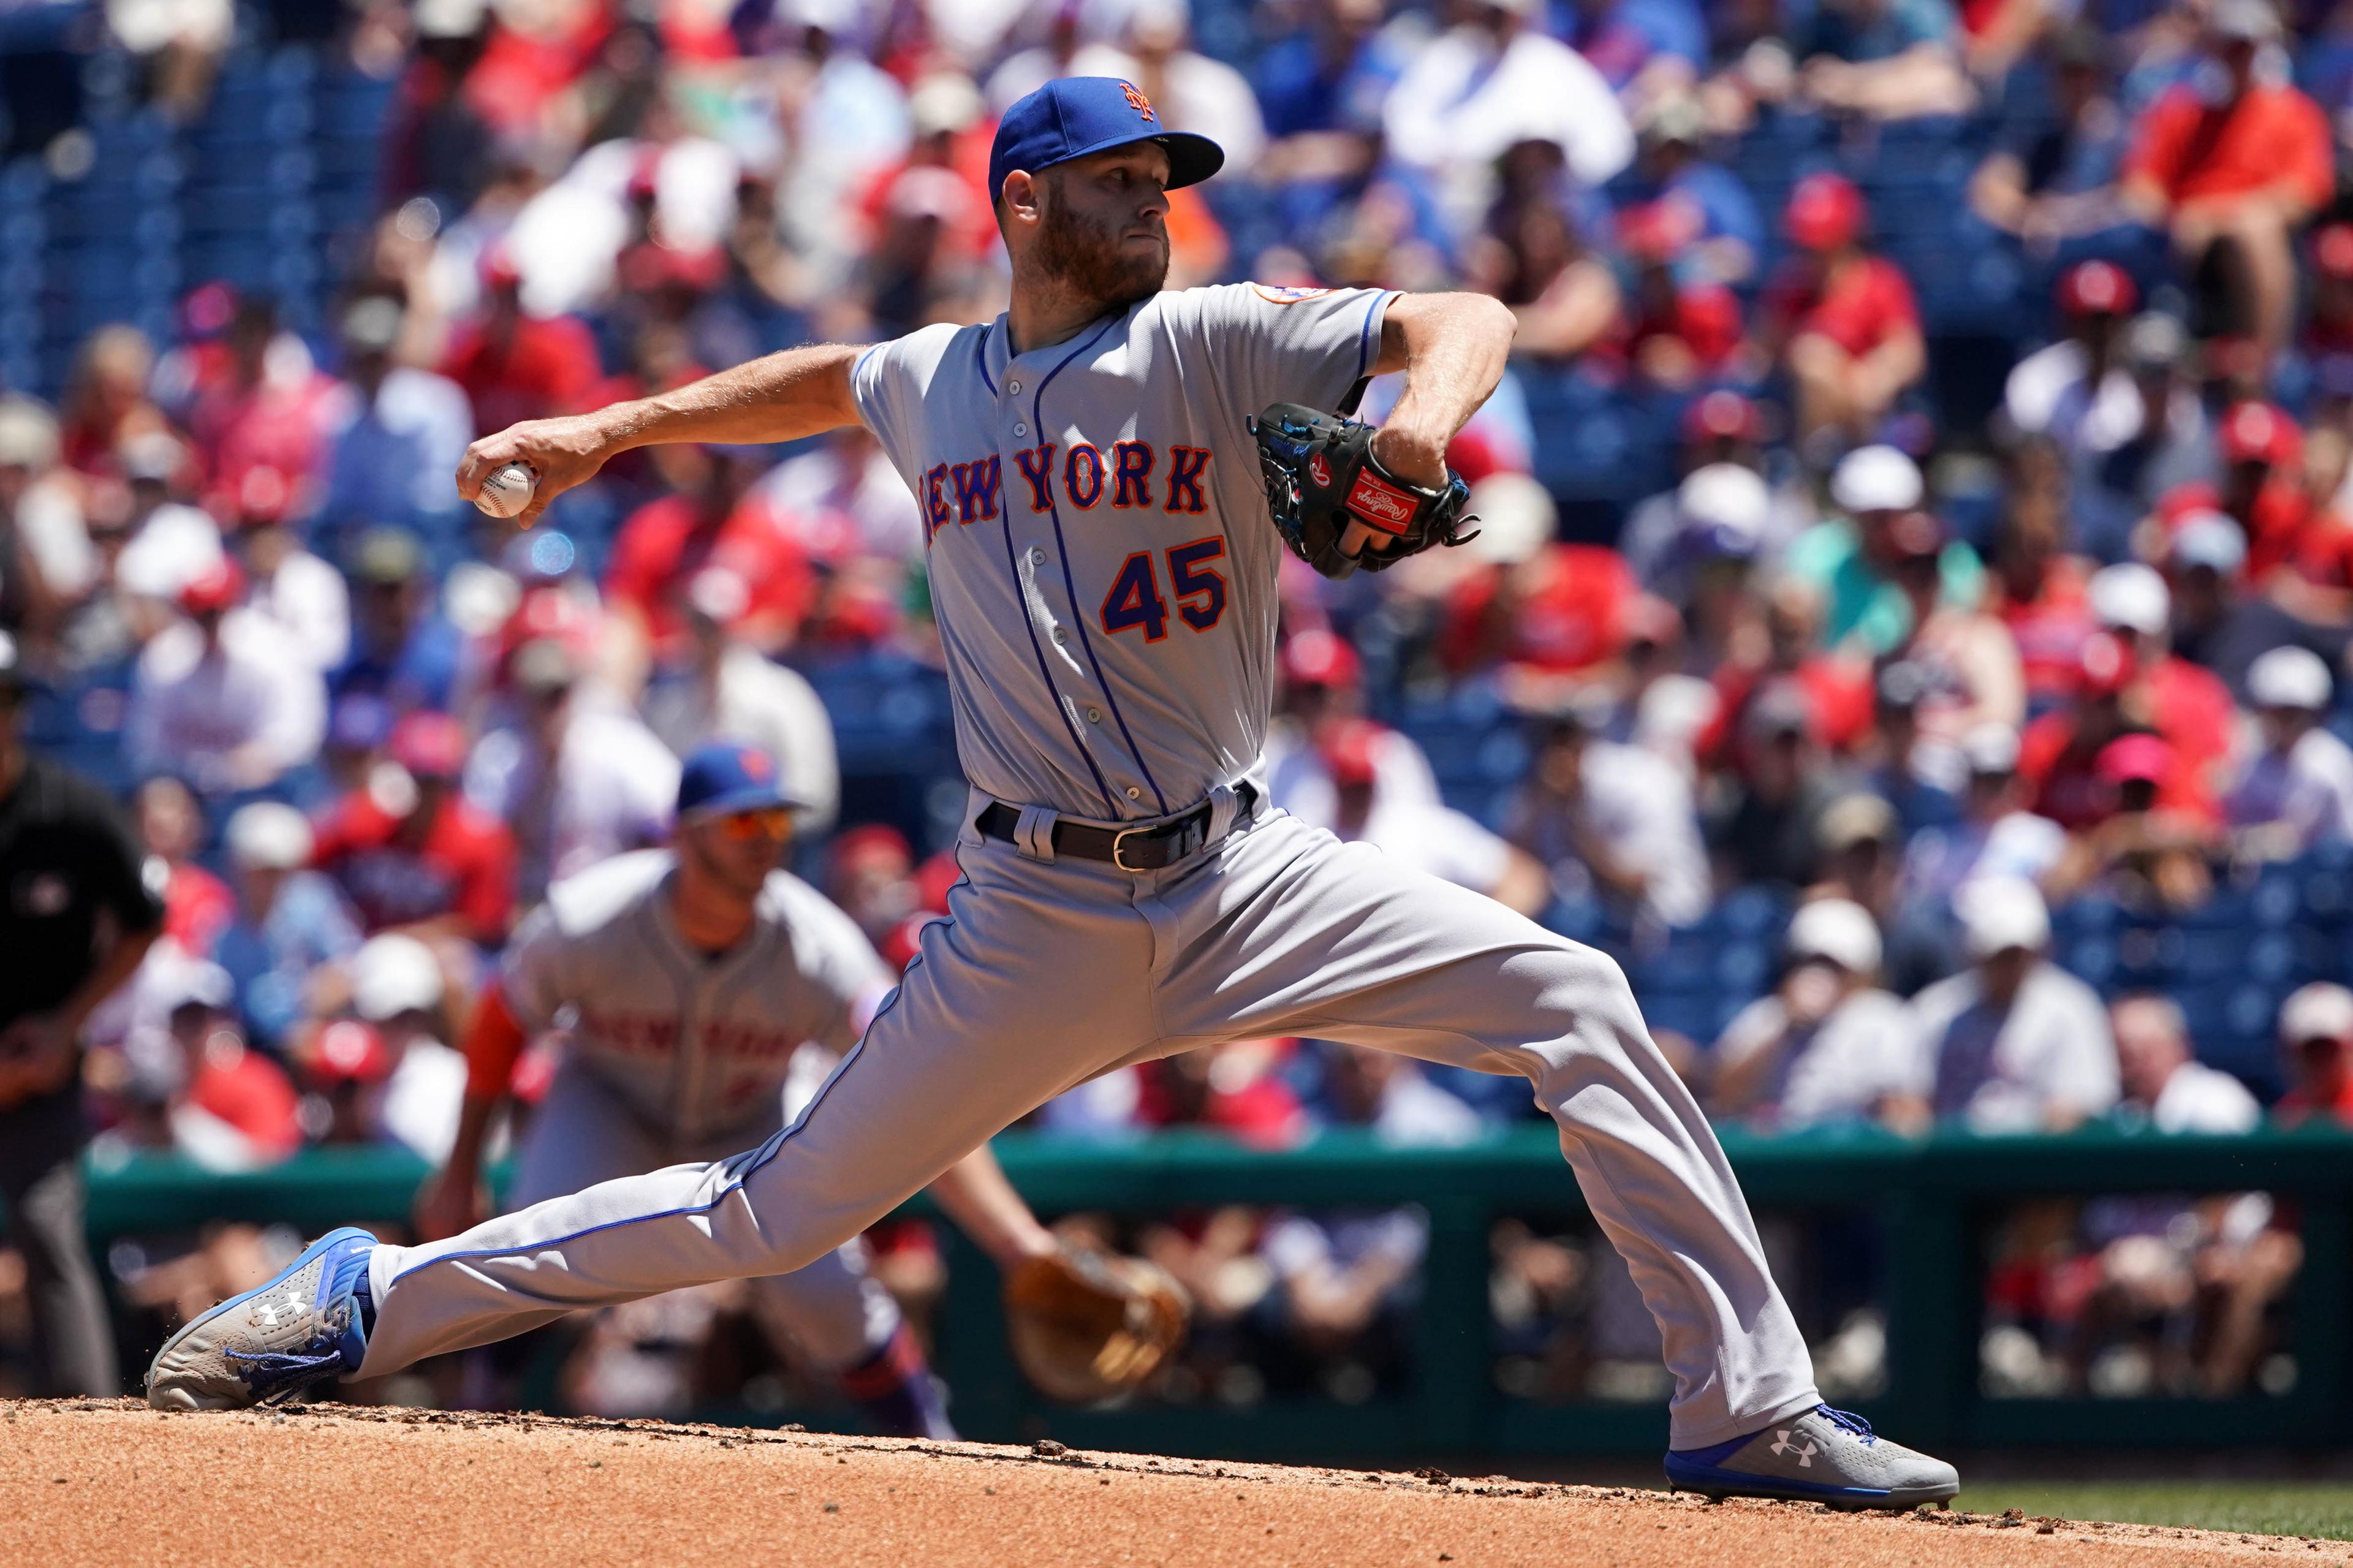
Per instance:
x=1129, y=849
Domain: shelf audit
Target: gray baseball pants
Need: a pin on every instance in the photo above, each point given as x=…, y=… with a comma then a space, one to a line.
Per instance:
x=836, y=1314
x=1049, y=972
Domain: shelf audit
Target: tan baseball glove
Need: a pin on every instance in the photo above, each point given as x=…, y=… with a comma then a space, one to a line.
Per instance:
x=1087, y=1327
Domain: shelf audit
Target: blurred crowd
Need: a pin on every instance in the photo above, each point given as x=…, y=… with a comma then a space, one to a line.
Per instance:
x=1929, y=673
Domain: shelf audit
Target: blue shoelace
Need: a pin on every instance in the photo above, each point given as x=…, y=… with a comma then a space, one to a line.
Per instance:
x=274, y=1375
x=1847, y=1421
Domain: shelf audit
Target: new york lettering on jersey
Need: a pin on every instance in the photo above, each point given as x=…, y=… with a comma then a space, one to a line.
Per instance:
x=689, y=1042
x=1101, y=563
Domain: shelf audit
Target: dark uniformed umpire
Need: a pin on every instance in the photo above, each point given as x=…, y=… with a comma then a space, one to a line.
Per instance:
x=75, y=917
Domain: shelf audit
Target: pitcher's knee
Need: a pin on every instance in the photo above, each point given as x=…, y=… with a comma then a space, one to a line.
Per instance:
x=1580, y=987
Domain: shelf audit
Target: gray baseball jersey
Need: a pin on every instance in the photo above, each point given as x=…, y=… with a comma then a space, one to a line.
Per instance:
x=1101, y=567
x=1104, y=576
x=696, y=1046
x=673, y=1057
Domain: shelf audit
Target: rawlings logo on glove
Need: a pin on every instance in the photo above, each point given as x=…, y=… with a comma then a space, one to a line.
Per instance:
x=1320, y=476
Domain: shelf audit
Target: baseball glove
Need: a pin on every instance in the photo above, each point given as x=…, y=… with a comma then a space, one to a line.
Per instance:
x=1321, y=475
x=1087, y=1327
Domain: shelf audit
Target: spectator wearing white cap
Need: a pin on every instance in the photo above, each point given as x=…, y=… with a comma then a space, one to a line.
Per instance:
x=233, y=1109
x=290, y=919
x=1719, y=428
x=396, y=987
x=225, y=698
x=2013, y=1043
x=722, y=688
x=1853, y=557
x=1828, y=1044
x=1719, y=529
x=2316, y=1035
x=1996, y=836
x=170, y=540
x=2189, y=706
x=2296, y=790
x=2219, y=622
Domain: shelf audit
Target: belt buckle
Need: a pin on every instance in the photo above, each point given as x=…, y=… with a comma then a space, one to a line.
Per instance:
x=1118, y=846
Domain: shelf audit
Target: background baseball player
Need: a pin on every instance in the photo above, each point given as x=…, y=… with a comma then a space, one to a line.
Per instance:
x=689, y=977
x=1103, y=577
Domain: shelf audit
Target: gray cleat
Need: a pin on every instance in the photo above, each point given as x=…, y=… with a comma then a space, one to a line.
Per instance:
x=1823, y=1456
x=302, y=1327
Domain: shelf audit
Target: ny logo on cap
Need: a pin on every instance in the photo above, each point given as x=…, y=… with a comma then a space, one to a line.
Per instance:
x=1138, y=102
x=755, y=764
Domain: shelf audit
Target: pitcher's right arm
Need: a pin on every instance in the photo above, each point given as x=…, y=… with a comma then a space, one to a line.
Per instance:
x=781, y=397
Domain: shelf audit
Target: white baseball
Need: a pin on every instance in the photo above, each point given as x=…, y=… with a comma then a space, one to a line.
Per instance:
x=507, y=490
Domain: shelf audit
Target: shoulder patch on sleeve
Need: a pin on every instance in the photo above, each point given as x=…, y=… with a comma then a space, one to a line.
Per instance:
x=1280, y=295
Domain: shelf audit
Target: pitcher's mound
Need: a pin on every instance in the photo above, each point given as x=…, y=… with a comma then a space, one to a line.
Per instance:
x=112, y=1482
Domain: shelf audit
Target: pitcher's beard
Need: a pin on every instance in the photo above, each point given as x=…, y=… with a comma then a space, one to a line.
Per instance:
x=1085, y=258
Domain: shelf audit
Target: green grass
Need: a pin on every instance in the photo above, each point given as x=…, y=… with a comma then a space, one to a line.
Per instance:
x=2256, y=1508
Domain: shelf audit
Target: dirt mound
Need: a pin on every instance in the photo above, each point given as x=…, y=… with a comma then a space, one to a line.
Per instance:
x=92, y=1481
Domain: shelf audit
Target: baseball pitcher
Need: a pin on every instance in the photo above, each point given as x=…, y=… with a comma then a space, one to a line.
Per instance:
x=1106, y=474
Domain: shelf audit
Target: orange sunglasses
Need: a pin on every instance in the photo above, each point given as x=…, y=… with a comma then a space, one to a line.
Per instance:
x=766, y=822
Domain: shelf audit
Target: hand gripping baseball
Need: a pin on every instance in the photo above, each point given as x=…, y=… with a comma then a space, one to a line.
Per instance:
x=560, y=452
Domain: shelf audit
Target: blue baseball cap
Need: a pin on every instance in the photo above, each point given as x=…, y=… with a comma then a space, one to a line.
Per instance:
x=721, y=777
x=1075, y=115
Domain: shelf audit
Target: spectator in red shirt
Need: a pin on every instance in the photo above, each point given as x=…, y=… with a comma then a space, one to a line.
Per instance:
x=515, y=366
x=2263, y=490
x=1837, y=688
x=107, y=405
x=2231, y=170
x=198, y=905
x=2328, y=326
x=2142, y=850
x=952, y=133
x=715, y=519
x=1841, y=319
x=1673, y=331
x=2316, y=1033
x=2037, y=589
x=411, y=853
x=2188, y=705
x=261, y=403
x=1235, y=1089
x=235, y=1108
x=1559, y=611
x=870, y=873
x=2060, y=753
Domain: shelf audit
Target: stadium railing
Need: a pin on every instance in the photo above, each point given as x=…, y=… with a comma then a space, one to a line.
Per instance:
x=1937, y=1200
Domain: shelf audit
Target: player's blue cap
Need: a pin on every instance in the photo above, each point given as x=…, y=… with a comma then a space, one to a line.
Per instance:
x=1075, y=115
x=721, y=777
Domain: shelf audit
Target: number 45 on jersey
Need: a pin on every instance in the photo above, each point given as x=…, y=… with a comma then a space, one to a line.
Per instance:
x=1198, y=589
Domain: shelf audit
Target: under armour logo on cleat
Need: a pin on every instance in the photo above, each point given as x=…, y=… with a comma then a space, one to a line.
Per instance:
x=269, y=1314
x=1803, y=1447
